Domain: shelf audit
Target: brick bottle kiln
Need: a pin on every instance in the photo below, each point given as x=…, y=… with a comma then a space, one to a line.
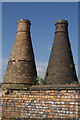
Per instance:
x=21, y=69
x=40, y=101
x=61, y=68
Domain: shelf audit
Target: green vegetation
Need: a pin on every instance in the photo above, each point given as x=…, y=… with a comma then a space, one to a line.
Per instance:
x=46, y=73
x=21, y=88
x=73, y=82
x=7, y=88
x=71, y=65
x=39, y=80
x=47, y=81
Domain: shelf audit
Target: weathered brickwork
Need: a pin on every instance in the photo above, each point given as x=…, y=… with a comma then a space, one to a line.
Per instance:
x=21, y=68
x=61, y=69
x=43, y=102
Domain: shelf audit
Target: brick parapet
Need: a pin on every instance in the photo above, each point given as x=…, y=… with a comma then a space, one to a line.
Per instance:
x=43, y=104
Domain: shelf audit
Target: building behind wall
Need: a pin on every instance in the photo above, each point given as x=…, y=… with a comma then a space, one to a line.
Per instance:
x=61, y=69
x=21, y=69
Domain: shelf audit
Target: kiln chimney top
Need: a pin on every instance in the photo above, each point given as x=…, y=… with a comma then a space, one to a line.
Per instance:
x=24, y=20
x=62, y=22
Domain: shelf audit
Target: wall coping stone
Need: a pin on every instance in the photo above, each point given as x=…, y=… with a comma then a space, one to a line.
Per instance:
x=51, y=87
x=55, y=87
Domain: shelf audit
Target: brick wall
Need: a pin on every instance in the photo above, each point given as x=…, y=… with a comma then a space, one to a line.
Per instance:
x=43, y=102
